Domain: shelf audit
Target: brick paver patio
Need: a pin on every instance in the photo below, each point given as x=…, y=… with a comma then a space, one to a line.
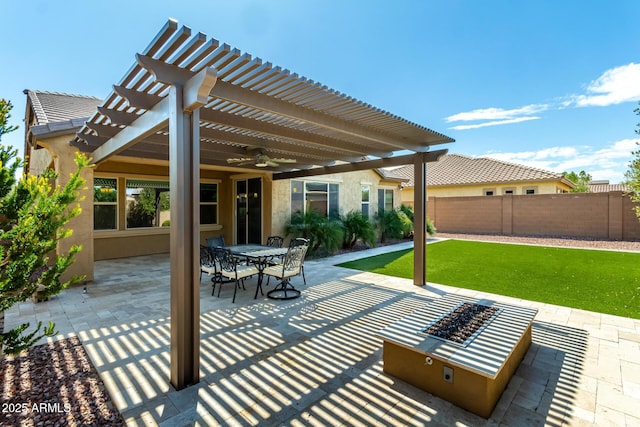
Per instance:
x=315, y=360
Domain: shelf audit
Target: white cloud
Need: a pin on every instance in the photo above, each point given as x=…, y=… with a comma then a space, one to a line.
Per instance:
x=615, y=86
x=609, y=162
x=494, y=123
x=497, y=113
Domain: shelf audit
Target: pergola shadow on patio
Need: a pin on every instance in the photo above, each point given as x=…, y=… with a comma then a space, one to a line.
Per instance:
x=314, y=360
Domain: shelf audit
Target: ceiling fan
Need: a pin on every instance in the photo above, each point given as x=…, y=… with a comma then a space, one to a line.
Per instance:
x=260, y=160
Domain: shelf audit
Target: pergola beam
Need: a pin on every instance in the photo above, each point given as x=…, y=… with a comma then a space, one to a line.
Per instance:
x=146, y=124
x=430, y=156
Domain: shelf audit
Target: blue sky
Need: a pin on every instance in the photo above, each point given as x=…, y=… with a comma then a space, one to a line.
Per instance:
x=551, y=84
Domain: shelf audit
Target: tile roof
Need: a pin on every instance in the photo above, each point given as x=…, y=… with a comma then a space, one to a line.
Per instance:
x=605, y=188
x=51, y=107
x=456, y=169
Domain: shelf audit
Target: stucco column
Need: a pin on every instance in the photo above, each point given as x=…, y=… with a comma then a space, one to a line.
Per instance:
x=63, y=159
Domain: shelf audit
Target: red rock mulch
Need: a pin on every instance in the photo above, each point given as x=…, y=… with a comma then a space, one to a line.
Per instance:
x=54, y=384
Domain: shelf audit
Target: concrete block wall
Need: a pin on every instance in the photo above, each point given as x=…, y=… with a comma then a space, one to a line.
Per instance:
x=584, y=215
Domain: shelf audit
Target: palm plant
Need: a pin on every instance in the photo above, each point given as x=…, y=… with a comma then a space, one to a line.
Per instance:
x=393, y=224
x=324, y=234
x=357, y=227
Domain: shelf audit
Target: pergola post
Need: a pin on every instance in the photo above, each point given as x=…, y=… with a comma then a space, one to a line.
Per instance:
x=184, y=180
x=419, y=220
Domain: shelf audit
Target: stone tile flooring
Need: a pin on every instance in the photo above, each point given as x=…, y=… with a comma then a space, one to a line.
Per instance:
x=315, y=360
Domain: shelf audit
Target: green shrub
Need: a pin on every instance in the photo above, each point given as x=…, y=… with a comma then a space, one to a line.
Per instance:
x=393, y=224
x=357, y=227
x=408, y=211
x=430, y=228
x=324, y=234
x=166, y=223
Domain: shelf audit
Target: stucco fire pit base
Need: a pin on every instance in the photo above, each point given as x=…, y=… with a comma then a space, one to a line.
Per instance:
x=472, y=376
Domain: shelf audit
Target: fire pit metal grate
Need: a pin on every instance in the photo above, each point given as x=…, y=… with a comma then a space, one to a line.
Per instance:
x=462, y=324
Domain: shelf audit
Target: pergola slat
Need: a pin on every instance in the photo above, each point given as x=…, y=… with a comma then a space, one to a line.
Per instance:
x=161, y=38
x=205, y=50
x=173, y=43
x=188, y=49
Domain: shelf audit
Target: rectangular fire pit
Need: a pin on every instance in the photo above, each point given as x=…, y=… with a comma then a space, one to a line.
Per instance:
x=460, y=349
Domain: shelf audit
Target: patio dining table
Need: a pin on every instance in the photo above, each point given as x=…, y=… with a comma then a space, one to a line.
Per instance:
x=259, y=255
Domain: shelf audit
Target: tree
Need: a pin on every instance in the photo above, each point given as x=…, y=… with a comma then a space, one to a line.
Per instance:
x=32, y=219
x=580, y=179
x=5, y=108
x=633, y=174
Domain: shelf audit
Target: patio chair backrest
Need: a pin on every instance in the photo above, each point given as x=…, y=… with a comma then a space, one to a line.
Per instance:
x=275, y=241
x=299, y=241
x=225, y=259
x=214, y=242
x=206, y=257
x=294, y=258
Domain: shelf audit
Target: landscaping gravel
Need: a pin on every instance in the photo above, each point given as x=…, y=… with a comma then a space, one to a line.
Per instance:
x=54, y=384
x=548, y=241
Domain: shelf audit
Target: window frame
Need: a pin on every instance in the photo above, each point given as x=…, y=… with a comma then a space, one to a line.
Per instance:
x=367, y=202
x=126, y=187
x=116, y=204
x=137, y=231
x=383, y=201
x=216, y=203
x=331, y=210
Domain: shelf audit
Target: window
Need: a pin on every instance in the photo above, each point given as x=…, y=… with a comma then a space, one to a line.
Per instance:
x=365, y=201
x=208, y=203
x=147, y=204
x=489, y=191
x=105, y=203
x=320, y=197
x=530, y=190
x=509, y=191
x=385, y=200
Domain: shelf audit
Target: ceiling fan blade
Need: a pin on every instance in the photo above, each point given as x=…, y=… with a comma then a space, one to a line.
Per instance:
x=284, y=160
x=240, y=160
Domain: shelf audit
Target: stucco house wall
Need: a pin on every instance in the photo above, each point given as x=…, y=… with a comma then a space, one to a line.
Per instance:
x=350, y=194
x=60, y=156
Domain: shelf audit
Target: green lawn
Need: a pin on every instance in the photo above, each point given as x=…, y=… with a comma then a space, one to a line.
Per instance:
x=602, y=281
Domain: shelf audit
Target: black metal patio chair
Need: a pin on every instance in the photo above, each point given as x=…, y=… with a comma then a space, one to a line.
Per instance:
x=232, y=269
x=292, y=265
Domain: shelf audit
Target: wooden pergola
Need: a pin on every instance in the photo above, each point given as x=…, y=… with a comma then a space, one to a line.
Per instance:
x=191, y=101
